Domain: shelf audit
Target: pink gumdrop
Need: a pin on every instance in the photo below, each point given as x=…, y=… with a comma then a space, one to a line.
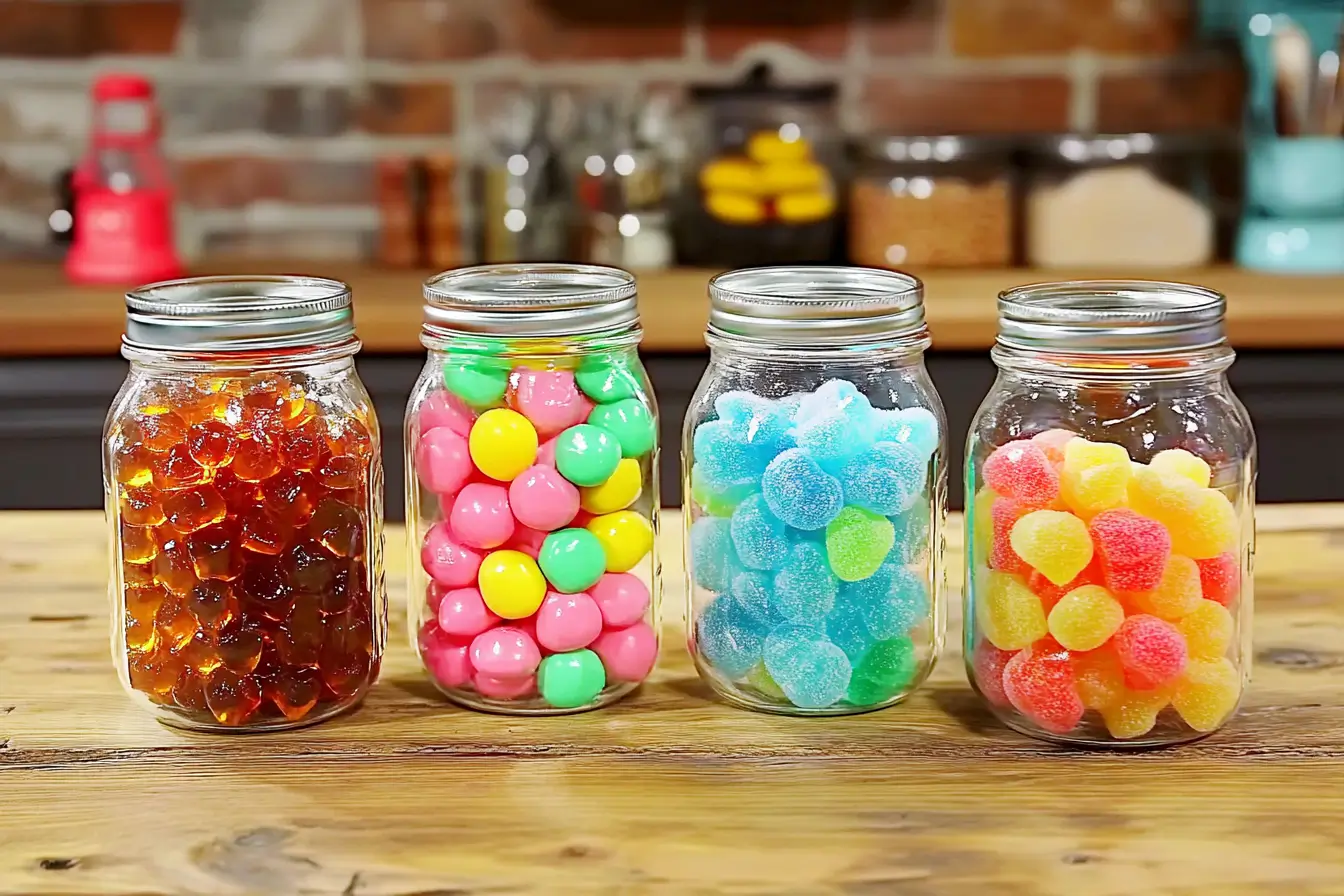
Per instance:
x=627, y=653
x=442, y=408
x=568, y=622
x=445, y=657
x=434, y=593
x=1151, y=650
x=505, y=652
x=504, y=688
x=543, y=499
x=442, y=461
x=1132, y=549
x=481, y=517
x=546, y=453
x=621, y=597
x=1021, y=470
x=527, y=540
x=1052, y=442
x=1220, y=578
x=463, y=612
x=989, y=662
x=550, y=400
x=447, y=562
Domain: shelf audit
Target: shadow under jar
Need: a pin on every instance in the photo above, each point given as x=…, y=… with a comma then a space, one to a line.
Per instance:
x=244, y=487
x=815, y=464
x=532, y=490
x=1110, y=539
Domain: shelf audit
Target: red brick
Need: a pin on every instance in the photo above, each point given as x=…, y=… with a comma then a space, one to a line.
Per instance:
x=37, y=28
x=1202, y=98
x=967, y=104
x=820, y=29
x=429, y=30
x=421, y=108
x=136, y=28
x=893, y=27
x=22, y=191
x=238, y=181
x=1030, y=27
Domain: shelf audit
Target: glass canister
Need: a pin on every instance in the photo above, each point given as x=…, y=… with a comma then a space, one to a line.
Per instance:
x=532, y=490
x=814, y=462
x=1111, y=536
x=244, y=489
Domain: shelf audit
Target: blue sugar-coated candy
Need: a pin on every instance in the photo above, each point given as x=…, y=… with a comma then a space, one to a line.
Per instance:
x=713, y=560
x=830, y=439
x=784, y=638
x=913, y=531
x=893, y=600
x=800, y=492
x=758, y=421
x=813, y=673
x=916, y=427
x=723, y=459
x=728, y=639
x=847, y=629
x=715, y=501
x=805, y=588
x=752, y=593
x=886, y=478
x=834, y=396
x=758, y=535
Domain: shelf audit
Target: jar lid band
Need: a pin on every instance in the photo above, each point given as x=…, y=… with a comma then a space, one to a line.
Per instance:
x=1111, y=317
x=529, y=300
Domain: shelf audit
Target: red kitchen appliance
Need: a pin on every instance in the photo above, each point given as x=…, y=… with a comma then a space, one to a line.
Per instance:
x=123, y=198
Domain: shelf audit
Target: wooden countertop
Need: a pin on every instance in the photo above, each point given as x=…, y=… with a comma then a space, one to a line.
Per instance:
x=667, y=792
x=42, y=314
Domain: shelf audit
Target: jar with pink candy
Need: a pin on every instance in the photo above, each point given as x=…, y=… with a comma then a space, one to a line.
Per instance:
x=532, y=490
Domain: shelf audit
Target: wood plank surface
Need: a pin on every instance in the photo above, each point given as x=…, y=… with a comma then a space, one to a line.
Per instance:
x=667, y=792
x=41, y=313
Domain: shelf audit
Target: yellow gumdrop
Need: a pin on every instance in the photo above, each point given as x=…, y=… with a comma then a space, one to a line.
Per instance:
x=625, y=537
x=1202, y=522
x=617, y=493
x=1177, y=595
x=1208, y=630
x=1085, y=618
x=1100, y=678
x=1054, y=543
x=1010, y=615
x=805, y=208
x=735, y=208
x=982, y=523
x=1095, y=476
x=511, y=584
x=793, y=177
x=502, y=444
x=731, y=176
x=1207, y=692
x=1179, y=462
x=1135, y=713
x=769, y=146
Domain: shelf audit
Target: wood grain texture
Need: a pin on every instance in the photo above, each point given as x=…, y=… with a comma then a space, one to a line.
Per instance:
x=42, y=314
x=667, y=792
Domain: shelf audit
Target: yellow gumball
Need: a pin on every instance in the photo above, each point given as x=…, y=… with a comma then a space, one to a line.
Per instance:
x=502, y=444
x=625, y=537
x=617, y=493
x=511, y=584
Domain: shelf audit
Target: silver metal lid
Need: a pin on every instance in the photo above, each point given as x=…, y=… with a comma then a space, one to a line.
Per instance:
x=529, y=300
x=925, y=150
x=816, y=305
x=1111, y=317
x=238, y=314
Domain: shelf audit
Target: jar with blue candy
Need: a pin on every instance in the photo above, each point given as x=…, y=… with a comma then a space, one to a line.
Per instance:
x=814, y=465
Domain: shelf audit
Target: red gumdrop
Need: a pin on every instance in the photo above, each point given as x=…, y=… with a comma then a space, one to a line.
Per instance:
x=988, y=662
x=1039, y=683
x=1133, y=549
x=1003, y=514
x=1050, y=593
x=1052, y=442
x=1021, y=470
x=1220, y=578
x=1151, y=650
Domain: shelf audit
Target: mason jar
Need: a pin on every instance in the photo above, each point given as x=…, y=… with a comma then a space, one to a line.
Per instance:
x=532, y=490
x=1112, y=530
x=814, y=461
x=244, y=488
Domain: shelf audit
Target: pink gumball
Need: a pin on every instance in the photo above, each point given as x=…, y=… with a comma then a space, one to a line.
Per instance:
x=505, y=652
x=627, y=653
x=481, y=517
x=505, y=688
x=550, y=400
x=445, y=657
x=621, y=597
x=443, y=461
x=434, y=593
x=442, y=408
x=527, y=540
x=543, y=499
x=568, y=622
x=462, y=612
x=447, y=562
x=546, y=453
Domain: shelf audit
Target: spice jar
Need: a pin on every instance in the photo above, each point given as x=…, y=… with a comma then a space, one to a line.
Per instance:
x=1111, y=535
x=244, y=487
x=814, y=459
x=934, y=201
x=532, y=490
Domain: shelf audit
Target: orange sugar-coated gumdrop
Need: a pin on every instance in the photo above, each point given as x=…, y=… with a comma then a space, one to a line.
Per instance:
x=256, y=457
x=338, y=527
x=190, y=509
x=138, y=544
x=1099, y=676
x=141, y=506
x=1220, y=578
x=173, y=568
x=239, y=645
x=1152, y=651
x=294, y=690
x=210, y=443
x=213, y=604
x=1020, y=470
x=290, y=497
x=176, y=468
x=298, y=637
x=217, y=552
x=1050, y=593
x=232, y=697
x=1178, y=593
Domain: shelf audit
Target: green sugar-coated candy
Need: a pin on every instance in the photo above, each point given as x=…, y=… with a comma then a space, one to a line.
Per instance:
x=857, y=541
x=887, y=669
x=572, y=560
x=716, y=503
x=760, y=679
x=605, y=380
x=480, y=382
x=570, y=680
x=630, y=422
x=587, y=455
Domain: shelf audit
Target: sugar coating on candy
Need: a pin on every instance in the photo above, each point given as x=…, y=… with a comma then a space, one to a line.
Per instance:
x=753, y=592
x=886, y=478
x=712, y=555
x=1202, y=521
x=847, y=629
x=1052, y=442
x=1040, y=684
x=718, y=502
x=448, y=563
x=1054, y=543
x=886, y=670
x=982, y=524
x=800, y=492
x=511, y=584
x=1208, y=630
x=628, y=654
x=916, y=428
x=758, y=678
x=893, y=600
x=586, y=455
x=1100, y=677
x=620, y=490
x=571, y=680
x=1050, y=593
x=481, y=517
x=987, y=665
x=1085, y=618
x=502, y=443
x=621, y=597
x=759, y=536
x=1207, y=693
x=1178, y=594
x=834, y=396
x=1134, y=712
x=1021, y=471
x=1220, y=578
x=1133, y=550
x=631, y=422
x=911, y=531
x=444, y=409
x=1094, y=477
x=443, y=461
x=1010, y=615
x=762, y=422
x=540, y=498
x=1004, y=515
x=730, y=641
x=805, y=588
x=549, y=399
x=1152, y=651
x=1179, y=462
x=626, y=538
x=857, y=542
x=811, y=671
x=828, y=439
x=725, y=462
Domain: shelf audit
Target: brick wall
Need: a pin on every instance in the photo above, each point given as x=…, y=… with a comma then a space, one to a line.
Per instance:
x=277, y=108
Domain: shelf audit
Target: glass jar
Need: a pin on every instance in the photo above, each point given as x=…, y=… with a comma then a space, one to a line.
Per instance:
x=532, y=490
x=244, y=488
x=933, y=201
x=1111, y=535
x=814, y=459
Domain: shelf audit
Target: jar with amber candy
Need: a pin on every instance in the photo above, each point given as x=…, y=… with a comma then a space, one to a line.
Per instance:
x=244, y=489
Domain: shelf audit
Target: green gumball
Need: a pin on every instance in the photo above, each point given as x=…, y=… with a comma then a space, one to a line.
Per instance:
x=480, y=382
x=630, y=422
x=587, y=455
x=572, y=560
x=606, y=379
x=571, y=680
